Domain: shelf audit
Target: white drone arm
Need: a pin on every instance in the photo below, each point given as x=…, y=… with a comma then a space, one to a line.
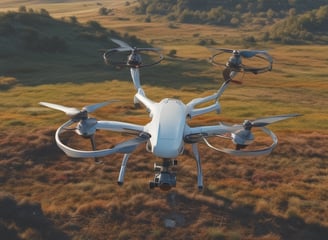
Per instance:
x=199, y=111
x=135, y=74
x=119, y=126
x=141, y=97
x=213, y=130
x=214, y=107
x=240, y=135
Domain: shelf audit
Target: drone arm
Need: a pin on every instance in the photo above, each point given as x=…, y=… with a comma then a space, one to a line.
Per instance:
x=214, y=107
x=199, y=111
x=119, y=126
x=141, y=97
x=135, y=74
x=213, y=130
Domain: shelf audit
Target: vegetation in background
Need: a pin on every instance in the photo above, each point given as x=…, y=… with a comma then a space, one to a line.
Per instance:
x=32, y=39
x=309, y=26
x=301, y=20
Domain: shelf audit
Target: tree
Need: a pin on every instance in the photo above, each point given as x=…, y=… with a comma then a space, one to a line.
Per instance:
x=22, y=9
x=44, y=12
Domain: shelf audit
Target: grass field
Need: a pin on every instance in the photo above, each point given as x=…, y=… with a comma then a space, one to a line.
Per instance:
x=49, y=196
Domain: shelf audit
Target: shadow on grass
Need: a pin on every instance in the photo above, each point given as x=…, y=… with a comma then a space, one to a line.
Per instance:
x=262, y=224
x=174, y=73
x=25, y=220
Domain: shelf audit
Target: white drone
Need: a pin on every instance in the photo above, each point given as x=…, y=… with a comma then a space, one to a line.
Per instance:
x=167, y=132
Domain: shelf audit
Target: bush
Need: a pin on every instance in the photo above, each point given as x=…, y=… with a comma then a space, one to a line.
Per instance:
x=172, y=53
x=148, y=19
x=22, y=9
x=95, y=25
x=104, y=11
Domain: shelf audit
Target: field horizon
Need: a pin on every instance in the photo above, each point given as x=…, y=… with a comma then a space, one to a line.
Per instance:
x=46, y=195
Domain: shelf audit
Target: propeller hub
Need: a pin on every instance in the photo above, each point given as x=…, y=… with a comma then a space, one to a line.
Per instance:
x=247, y=125
x=236, y=52
x=86, y=127
x=82, y=115
x=242, y=137
x=134, y=59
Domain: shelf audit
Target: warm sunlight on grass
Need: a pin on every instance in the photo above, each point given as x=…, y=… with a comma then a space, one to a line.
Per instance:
x=270, y=197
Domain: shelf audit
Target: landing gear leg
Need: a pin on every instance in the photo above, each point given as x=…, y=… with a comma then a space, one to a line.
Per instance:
x=120, y=180
x=199, y=167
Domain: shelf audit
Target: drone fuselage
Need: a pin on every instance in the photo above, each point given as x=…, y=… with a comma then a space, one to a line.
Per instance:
x=167, y=128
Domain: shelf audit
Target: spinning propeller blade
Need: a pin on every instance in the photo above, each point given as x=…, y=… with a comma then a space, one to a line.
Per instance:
x=72, y=112
x=262, y=122
x=244, y=53
x=68, y=110
x=123, y=46
x=227, y=50
x=94, y=107
x=251, y=53
x=126, y=47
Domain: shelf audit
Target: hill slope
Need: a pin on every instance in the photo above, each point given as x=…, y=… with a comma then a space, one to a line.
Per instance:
x=38, y=49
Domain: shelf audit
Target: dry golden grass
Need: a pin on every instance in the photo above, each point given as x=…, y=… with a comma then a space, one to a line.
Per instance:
x=280, y=196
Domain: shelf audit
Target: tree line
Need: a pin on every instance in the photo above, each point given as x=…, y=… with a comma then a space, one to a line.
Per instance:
x=209, y=9
x=290, y=19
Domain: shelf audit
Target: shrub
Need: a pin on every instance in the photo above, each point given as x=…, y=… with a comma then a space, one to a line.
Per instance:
x=172, y=53
x=44, y=12
x=103, y=11
x=22, y=9
x=148, y=19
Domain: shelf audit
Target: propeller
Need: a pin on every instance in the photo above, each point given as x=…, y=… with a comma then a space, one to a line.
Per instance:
x=126, y=47
x=243, y=52
x=234, y=64
x=74, y=113
x=244, y=136
x=134, y=58
x=86, y=126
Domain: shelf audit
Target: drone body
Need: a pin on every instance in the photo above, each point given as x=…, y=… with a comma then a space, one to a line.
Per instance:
x=166, y=128
x=167, y=133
